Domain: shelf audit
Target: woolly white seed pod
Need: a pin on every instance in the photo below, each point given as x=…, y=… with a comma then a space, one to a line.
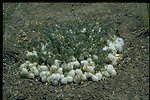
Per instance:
x=24, y=72
x=76, y=63
x=49, y=78
x=35, y=63
x=54, y=67
x=78, y=71
x=43, y=73
x=31, y=68
x=77, y=79
x=95, y=78
x=64, y=80
x=27, y=62
x=89, y=68
x=60, y=70
x=69, y=79
x=109, y=42
x=48, y=73
x=57, y=76
x=35, y=71
x=113, y=49
x=114, y=62
x=92, y=63
x=23, y=66
x=88, y=74
x=72, y=58
x=54, y=82
x=28, y=53
x=85, y=67
x=120, y=40
x=105, y=48
x=33, y=53
x=83, y=77
x=44, y=79
x=31, y=65
x=84, y=62
x=117, y=55
x=118, y=46
x=71, y=73
x=105, y=73
x=99, y=75
x=31, y=75
x=89, y=59
x=95, y=57
x=57, y=62
x=110, y=56
x=61, y=76
x=111, y=70
x=43, y=68
x=70, y=65
x=64, y=65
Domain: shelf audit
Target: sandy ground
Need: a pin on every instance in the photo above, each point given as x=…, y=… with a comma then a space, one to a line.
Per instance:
x=132, y=81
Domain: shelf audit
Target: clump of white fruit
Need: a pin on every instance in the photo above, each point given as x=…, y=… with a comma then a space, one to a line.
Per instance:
x=74, y=71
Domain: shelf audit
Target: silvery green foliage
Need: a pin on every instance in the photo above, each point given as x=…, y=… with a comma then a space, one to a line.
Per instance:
x=63, y=40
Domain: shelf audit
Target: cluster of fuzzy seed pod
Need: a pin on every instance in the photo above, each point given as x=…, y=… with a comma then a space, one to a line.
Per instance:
x=116, y=47
x=64, y=73
x=73, y=71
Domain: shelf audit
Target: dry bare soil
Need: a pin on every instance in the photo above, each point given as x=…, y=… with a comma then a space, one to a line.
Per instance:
x=132, y=80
